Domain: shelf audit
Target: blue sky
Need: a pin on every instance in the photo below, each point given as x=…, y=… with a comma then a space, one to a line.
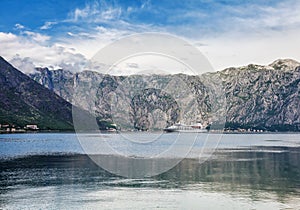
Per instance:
x=67, y=33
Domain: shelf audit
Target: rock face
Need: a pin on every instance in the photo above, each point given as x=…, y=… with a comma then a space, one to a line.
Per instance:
x=24, y=101
x=149, y=101
x=255, y=97
x=265, y=97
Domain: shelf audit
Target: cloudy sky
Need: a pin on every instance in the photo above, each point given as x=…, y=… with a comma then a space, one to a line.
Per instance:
x=66, y=34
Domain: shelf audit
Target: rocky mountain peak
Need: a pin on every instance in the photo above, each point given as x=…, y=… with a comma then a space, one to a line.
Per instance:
x=285, y=64
x=41, y=69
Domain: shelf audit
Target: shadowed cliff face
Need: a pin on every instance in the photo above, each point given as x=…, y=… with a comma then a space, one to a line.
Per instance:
x=259, y=97
x=24, y=101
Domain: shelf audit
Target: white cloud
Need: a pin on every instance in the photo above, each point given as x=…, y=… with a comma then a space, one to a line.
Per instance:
x=145, y=4
x=263, y=19
x=70, y=34
x=261, y=48
x=111, y=14
x=19, y=26
x=40, y=54
x=149, y=64
x=89, y=44
x=7, y=37
x=252, y=34
x=95, y=12
x=37, y=36
x=255, y=34
x=47, y=25
x=23, y=64
x=80, y=13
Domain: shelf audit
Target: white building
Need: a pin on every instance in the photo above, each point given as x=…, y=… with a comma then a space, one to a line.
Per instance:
x=31, y=127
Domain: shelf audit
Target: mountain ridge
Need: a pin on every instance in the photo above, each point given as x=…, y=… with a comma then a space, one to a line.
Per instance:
x=258, y=97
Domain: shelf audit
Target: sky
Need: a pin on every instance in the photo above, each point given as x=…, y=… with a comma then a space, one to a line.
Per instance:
x=67, y=34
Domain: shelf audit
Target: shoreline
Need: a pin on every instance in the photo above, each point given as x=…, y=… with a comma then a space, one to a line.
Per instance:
x=118, y=132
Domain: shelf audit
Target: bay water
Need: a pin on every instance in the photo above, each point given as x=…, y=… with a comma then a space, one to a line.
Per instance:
x=235, y=171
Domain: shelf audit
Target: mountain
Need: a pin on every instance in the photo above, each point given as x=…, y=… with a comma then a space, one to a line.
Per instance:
x=24, y=101
x=265, y=97
x=249, y=97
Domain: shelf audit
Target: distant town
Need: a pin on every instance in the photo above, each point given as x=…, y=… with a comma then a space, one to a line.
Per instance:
x=11, y=128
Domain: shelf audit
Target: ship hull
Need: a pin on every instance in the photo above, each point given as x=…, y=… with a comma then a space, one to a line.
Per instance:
x=186, y=131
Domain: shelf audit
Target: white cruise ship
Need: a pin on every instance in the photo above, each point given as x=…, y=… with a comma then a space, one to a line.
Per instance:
x=195, y=128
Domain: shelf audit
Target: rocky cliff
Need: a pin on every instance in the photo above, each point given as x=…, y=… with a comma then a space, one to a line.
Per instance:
x=250, y=97
x=265, y=97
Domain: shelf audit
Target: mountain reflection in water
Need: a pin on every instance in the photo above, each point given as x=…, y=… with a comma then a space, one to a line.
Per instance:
x=255, y=173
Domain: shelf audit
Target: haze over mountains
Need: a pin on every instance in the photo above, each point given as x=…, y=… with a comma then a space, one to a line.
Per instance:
x=257, y=97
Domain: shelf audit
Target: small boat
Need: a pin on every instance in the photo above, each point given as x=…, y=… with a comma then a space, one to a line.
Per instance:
x=195, y=128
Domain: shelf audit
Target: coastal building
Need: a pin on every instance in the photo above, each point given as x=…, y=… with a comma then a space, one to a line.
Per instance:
x=31, y=127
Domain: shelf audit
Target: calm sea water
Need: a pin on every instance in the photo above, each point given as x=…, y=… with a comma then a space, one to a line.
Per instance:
x=231, y=171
